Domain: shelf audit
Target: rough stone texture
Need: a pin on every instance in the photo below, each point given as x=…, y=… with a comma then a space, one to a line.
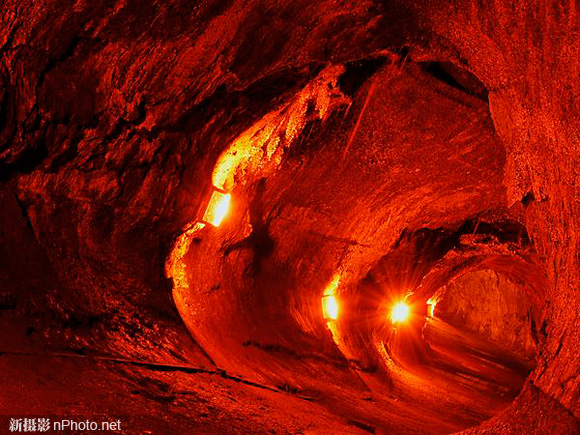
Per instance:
x=525, y=56
x=493, y=306
x=112, y=116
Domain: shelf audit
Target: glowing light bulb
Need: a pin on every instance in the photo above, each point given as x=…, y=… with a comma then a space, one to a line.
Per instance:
x=400, y=312
x=330, y=307
x=218, y=208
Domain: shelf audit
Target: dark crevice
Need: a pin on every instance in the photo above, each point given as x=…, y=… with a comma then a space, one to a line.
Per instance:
x=67, y=54
x=456, y=77
x=363, y=426
x=26, y=162
x=528, y=198
x=503, y=232
x=357, y=73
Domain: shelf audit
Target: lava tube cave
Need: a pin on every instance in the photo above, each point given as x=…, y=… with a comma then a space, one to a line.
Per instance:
x=290, y=217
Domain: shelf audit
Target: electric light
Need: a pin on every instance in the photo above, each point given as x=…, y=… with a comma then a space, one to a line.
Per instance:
x=217, y=208
x=433, y=301
x=330, y=307
x=400, y=312
x=431, y=306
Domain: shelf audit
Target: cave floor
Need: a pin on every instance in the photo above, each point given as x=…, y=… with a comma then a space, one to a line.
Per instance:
x=465, y=372
x=152, y=401
x=483, y=365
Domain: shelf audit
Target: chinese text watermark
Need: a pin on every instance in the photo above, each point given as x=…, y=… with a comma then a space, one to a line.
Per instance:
x=46, y=424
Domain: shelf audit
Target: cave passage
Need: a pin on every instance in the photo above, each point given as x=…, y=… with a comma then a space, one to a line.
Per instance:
x=290, y=216
x=308, y=287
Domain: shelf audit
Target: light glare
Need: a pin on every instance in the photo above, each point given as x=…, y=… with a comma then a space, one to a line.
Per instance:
x=400, y=312
x=217, y=209
x=330, y=307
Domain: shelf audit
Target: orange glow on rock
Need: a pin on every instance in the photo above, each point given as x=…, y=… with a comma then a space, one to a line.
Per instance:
x=260, y=147
x=333, y=286
x=400, y=312
x=432, y=302
x=330, y=307
x=431, y=305
x=217, y=208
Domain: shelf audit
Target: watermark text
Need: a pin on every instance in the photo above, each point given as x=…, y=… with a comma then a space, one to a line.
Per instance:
x=61, y=425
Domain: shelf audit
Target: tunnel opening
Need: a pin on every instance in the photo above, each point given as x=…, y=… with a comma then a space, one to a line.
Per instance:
x=470, y=336
x=302, y=279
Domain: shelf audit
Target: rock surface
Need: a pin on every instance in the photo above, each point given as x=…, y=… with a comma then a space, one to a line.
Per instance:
x=447, y=142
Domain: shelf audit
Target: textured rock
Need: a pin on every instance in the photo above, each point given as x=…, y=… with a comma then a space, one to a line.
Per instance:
x=490, y=304
x=524, y=57
x=113, y=116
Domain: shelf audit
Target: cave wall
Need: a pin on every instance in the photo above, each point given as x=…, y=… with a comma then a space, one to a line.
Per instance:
x=488, y=303
x=524, y=56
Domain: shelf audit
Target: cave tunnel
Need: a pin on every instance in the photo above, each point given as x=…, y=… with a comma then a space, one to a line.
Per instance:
x=290, y=217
